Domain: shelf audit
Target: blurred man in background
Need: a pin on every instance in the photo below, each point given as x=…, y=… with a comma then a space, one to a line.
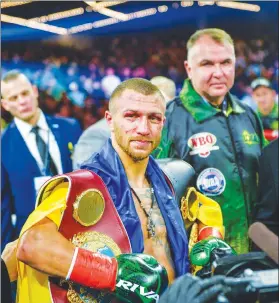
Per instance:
x=264, y=96
x=110, y=82
x=34, y=148
x=166, y=86
x=8, y=271
x=209, y=128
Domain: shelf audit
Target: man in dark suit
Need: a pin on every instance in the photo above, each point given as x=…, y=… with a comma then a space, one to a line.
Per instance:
x=34, y=148
x=8, y=271
x=266, y=208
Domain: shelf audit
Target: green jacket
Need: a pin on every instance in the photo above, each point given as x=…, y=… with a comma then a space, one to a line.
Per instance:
x=271, y=120
x=224, y=149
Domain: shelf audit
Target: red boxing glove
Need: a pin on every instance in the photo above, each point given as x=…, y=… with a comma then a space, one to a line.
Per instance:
x=208, y=231
x=93, y=270
x=270, y=134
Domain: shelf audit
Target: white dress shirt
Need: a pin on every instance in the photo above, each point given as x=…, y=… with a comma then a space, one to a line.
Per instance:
x=48, y=137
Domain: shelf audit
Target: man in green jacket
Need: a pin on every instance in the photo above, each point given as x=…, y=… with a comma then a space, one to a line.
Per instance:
x=220, y=137
x=264, y=96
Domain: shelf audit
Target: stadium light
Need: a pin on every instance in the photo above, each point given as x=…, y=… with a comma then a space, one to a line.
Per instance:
x=59, y=15
x=205, y=2
x=5, y=4
x=34, y=24
x=162, y=8
x=186, y=3
x=239, y=5
x=143, y=13
x=102, y=4
x=98, y=7
x=104, y=22
x=110, y=21
x=80, y=28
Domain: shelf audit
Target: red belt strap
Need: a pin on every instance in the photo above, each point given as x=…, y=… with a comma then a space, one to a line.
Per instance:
x=109, y=225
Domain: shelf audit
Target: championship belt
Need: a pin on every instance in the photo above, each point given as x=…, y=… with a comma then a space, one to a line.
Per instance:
x=90, y=221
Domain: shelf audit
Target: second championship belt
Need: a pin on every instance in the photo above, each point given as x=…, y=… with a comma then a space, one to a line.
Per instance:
x=90, y=221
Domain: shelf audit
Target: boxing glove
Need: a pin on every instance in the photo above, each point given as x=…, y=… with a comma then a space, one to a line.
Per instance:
x=134, y=278
x=202, y=251
x=140, y=278
x=270, y=134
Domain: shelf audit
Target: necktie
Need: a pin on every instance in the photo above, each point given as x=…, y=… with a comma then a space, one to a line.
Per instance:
x=50, y=168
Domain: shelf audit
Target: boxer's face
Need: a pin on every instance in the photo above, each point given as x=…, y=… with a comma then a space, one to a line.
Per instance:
x=137, y=123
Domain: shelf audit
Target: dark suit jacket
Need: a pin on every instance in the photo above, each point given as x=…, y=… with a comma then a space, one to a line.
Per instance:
x=6, y=292
x=266, y=209
x=19, y=168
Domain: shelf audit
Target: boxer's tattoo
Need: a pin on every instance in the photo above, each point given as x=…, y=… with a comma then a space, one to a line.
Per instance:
x=145, y=195
x=160, y=237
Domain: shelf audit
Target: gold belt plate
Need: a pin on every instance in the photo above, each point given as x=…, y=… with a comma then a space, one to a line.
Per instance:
x=89, y=207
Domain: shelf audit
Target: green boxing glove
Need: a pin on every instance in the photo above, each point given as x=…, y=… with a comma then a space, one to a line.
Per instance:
x=203, y=251
x=140, y=279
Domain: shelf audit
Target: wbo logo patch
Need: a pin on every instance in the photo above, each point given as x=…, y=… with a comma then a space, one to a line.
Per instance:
x=202, y=144
x=211, y=182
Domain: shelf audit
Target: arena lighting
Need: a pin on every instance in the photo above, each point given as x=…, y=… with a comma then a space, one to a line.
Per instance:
x=162, y=8
x=34, y=24
x=113, y=14
x=106, y=11
x=239, y=5
x=5, y=4
x=110, y=21
x=88, y=26
x=89, y=9
x=80, y=28
x=205, y=2
x=109, y=3
x=131, y=16
x=142, y=13
x=59, y=15
x=105, y=22
x=187, y=3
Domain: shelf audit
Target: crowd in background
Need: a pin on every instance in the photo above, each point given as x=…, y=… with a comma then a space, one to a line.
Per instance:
x=76, y=83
